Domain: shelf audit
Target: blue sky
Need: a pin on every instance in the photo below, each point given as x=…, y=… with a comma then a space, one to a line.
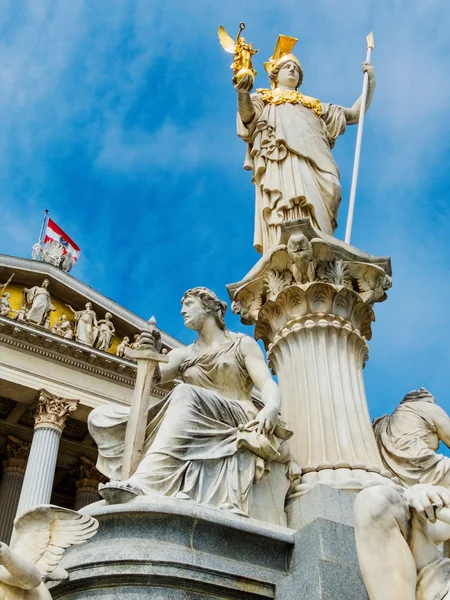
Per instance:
x=119, y=116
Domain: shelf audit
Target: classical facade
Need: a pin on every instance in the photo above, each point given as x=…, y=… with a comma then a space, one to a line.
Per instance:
x=50, y=381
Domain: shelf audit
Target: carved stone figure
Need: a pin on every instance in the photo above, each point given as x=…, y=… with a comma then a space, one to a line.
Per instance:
x=207, y=440
x=301, y=251
x=37, y=251
x=105, y=334
x=67, y=262
x=5, y=305
x=86, y=325
x=40, y=538
x=289, y=139
x=63, y=327
x=125, y=343
x=136, y=342
x=21, y=314
x=409, y=438
x=39, y=302
x=52, y=252
x=396, y=538
x=396, y=529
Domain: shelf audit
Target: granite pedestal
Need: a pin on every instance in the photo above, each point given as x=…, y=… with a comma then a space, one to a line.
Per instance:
x=174, y=549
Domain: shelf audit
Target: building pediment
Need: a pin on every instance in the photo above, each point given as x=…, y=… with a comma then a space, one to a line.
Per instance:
x=66, y=293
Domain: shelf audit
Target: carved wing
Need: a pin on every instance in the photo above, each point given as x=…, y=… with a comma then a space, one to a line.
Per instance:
x=227, y=43
x=362, y=273
x=43, y=534
x=322, y=250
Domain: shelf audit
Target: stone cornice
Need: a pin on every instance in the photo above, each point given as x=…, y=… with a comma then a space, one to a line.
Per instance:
x=37, y=340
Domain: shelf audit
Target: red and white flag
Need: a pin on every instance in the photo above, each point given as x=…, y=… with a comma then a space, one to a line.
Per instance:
x=53, y=232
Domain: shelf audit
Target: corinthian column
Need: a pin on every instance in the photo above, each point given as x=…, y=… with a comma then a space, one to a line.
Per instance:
x=311, y=301
x=87, y=482
x=49, y=420
x=14, y=465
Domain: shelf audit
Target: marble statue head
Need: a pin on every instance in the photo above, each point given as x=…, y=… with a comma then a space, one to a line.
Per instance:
x=421, y=394
x=209, y=303
x=286, y=72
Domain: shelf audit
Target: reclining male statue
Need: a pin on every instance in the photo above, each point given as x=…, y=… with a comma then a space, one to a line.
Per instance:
x=397, y=530
x=207, y=441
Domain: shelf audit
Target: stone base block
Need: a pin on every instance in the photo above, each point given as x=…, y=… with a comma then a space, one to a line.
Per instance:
x=177, y=550
x=324, y=563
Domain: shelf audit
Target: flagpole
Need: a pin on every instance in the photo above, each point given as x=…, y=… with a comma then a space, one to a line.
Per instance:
x=362, y=113
x=43, y=225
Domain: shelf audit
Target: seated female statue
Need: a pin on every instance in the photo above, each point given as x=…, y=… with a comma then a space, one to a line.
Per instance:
x=207, y=440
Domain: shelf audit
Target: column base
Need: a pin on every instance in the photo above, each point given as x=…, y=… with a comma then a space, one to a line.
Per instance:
x=351, y=478
x=324, y=562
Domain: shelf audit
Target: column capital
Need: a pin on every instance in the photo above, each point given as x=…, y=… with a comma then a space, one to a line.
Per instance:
x=86, y=474
x=311, y=280
x=16, y=455
x=52, y=411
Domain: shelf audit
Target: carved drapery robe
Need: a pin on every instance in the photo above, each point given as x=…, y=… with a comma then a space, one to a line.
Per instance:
x=39, y=298
x=87, y=329
x=295, y=175
x=197, y=446
x=408, y=441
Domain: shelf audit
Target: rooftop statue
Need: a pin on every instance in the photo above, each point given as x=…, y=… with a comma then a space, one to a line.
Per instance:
x=398, y=530
x=106, y=332
x=289, y=140
x=39, y=303
x=207, y=441
x=63, y=327
x=5, y=305
x=86, y=329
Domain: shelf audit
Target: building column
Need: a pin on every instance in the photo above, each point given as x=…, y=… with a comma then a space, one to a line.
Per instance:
x=14, y=465
x=87, y=481
x=49, y=420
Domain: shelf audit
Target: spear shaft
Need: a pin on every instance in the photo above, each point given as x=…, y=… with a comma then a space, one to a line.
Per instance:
x=362, y=113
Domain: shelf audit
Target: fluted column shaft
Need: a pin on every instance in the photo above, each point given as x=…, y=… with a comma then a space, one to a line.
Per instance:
x=319, y=366
x=86, y=495
x=14, y=467
x=50, y=417
x=87, y=482
x=38, y=482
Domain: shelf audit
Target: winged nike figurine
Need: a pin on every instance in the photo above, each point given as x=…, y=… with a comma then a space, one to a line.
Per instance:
x=40, y=538
x=243, y=52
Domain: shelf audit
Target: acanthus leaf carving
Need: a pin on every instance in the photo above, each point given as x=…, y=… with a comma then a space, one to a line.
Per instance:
x=52, y=411
x=276, y=282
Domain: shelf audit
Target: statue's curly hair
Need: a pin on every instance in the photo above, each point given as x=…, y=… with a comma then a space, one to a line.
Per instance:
x=421, y=394
x=210, y=302
x=274, y=73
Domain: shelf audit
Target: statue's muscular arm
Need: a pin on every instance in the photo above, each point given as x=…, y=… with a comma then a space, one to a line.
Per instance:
x=17, y=571
x=352, y=114
x=245, y=104
x=442, y=423
x=261, y=377
x=169, y=371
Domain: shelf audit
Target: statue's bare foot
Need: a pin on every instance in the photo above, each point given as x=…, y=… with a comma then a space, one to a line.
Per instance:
x=118, y=492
